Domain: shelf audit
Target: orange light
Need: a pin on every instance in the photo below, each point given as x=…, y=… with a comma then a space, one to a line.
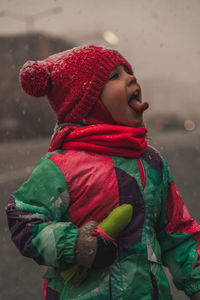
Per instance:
x=189, y=125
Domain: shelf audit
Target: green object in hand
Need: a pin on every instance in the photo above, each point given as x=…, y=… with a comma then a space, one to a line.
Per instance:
x=112, y=225
x=117, y=220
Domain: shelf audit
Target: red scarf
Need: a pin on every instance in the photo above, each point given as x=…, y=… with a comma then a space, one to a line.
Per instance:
x=116, y=140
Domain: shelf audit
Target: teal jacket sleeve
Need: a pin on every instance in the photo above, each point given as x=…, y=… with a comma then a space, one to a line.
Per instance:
x=179, y=238
x=37, y=217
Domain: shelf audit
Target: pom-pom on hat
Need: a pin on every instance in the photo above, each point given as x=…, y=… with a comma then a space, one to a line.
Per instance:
x=73, y=80
x=35, y=78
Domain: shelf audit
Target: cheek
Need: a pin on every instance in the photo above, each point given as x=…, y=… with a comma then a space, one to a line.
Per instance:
x=111, y=102
x=106, y=98
x=113, y=97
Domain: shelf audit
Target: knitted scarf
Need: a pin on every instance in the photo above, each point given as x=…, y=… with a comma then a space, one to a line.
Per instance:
x=116, y=140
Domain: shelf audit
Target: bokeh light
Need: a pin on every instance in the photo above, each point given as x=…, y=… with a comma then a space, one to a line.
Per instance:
x=110, y=37
x=189, y=125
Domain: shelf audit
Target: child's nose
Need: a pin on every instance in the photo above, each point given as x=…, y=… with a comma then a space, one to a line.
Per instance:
x=131, y=79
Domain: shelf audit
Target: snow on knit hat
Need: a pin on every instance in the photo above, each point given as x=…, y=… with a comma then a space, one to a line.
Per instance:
x=72, y=80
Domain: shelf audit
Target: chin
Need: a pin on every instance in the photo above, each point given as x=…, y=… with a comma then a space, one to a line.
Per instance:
x=135, y=124
x=131, y=123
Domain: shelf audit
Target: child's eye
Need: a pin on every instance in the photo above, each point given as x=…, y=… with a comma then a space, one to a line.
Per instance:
x=127, y=70
x=114, y=76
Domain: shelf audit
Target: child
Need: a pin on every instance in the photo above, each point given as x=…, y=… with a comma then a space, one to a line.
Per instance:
x=99, y=160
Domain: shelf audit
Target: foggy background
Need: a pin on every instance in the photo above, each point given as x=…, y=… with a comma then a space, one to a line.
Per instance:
x=160, y=38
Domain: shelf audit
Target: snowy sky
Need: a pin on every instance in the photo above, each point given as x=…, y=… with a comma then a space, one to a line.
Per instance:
x=161, y=38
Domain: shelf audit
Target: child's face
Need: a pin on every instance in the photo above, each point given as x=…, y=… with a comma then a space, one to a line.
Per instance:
x=121, y=95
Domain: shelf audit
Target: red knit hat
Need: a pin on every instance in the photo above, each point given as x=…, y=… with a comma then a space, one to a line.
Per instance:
x=73, y=80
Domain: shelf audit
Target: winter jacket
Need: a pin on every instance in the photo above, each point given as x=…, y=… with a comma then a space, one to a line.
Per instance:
x=68, y=188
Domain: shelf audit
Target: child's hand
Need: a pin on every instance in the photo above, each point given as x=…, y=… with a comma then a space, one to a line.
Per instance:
x=96, y=246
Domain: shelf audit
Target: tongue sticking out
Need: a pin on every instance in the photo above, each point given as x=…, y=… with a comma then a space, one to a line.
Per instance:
x=137, y=106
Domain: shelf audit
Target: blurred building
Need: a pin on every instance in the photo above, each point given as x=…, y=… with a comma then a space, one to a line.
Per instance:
x=22, y=116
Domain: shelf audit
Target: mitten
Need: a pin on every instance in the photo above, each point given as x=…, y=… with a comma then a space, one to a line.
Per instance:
x=96, y=245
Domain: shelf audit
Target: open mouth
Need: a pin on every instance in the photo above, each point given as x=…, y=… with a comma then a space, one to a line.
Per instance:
x=135, y=102
x=134, y=96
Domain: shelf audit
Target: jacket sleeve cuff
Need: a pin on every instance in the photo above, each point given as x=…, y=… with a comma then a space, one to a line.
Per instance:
x=66, y=246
